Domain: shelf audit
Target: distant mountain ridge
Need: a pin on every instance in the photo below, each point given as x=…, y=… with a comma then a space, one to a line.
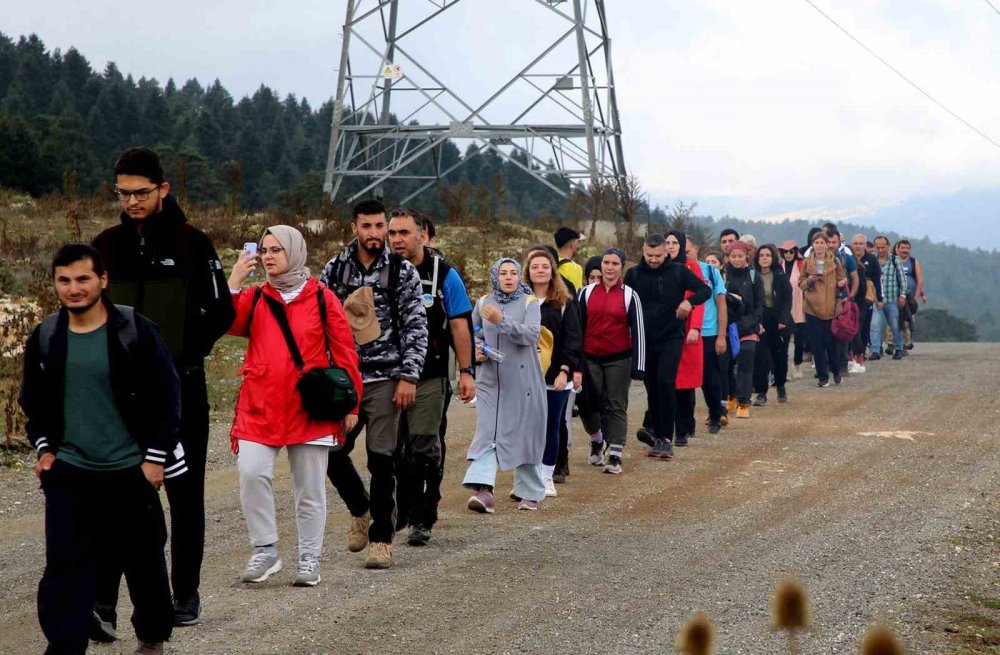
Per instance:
x=968, y=218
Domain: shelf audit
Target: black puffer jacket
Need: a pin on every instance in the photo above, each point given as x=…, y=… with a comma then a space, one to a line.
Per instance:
x=751, y=305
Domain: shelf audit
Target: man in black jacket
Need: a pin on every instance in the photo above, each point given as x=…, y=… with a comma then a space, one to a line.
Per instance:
x=102, y=400
x=169, y=271
x=663, y=283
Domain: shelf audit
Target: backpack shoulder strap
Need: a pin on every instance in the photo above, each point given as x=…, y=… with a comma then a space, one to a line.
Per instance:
x=45, y=333
x=129, y=334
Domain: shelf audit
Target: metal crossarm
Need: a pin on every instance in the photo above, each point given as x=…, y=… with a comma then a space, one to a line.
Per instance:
x=394, y=111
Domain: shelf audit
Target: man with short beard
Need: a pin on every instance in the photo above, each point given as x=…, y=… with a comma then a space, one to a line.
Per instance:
x=420, y=451
x=390, y=368
x=103, y=404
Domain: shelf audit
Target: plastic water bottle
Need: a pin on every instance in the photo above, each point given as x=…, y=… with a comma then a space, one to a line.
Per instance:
x=490, y=352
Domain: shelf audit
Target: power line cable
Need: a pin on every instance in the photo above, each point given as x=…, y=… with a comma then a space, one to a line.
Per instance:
x=992, y=6
x=904, y=77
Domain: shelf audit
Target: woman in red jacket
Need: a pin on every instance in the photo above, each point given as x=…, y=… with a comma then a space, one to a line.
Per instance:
x=689, y=372
x=269, y=411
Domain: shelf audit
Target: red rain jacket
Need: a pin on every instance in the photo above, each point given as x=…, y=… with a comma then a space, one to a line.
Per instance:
x=690, y=371
x=269, y=408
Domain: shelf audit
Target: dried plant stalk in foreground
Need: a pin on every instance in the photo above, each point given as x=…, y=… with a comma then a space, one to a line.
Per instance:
x=697, y=637
x=790, y=611
x=881, y=640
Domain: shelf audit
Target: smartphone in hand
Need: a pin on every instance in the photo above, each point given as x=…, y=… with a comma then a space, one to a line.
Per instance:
x=250, y=250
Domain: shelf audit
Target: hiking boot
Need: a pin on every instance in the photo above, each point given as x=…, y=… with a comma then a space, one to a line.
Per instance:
x=559, y=475
x=528, y=506
x=662, y=449
x=102, y=630
x=782, y=396
x=680, y=440
x=308, y=573
x=760, y=400
x=357, y=532
x=646, y=436
x=743, y=411
x=596, y=453
x=614, y=465
x=187, y=611
x=732, y=404
x=149, y=648
x=550, y=488
x=714, y=428
x=262, y=565
x=837, y=378
x=482, y=502
x=379, y=555
x=797, y=372
x=419, y=535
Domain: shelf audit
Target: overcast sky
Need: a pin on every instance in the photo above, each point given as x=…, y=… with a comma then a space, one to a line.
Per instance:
x=718, y=97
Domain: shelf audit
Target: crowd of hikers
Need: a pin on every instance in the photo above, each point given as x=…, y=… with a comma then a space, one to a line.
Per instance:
x=115, y=394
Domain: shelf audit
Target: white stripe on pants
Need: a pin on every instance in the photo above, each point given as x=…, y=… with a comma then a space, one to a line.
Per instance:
x=256, y=468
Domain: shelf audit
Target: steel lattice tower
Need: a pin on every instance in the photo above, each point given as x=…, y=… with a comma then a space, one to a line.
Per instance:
x=557, y=115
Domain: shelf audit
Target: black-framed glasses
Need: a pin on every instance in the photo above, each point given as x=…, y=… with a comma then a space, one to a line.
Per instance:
x=139, y=194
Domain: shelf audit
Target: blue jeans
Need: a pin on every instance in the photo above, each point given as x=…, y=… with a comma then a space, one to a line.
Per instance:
x=824, y=347
x=890, y=313
x=557, y=416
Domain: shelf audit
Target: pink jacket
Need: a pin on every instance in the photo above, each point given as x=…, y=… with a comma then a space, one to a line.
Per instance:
x=798, y=315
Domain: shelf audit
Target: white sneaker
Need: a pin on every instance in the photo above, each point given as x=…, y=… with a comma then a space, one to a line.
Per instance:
x=854, y=367
x=550, y=488
x=861, y=368
x=797, y=372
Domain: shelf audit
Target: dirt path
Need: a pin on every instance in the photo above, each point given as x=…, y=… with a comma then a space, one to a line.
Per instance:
x=897, y=525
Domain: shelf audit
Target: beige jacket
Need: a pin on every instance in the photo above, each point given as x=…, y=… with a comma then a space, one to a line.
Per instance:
x=820, y=295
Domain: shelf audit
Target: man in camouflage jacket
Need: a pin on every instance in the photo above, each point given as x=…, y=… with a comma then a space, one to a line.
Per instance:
x=390, y=368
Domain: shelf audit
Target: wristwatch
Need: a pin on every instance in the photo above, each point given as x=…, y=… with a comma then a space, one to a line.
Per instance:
x=471, y=370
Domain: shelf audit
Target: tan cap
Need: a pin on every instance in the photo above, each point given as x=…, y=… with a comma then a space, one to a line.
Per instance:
x=360, y=310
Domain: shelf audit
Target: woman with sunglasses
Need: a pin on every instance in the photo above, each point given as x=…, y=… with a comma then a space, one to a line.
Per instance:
x=791, y=262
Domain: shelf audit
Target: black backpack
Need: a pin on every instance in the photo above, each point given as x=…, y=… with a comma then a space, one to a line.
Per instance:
x=128, y=335
x=339, y=281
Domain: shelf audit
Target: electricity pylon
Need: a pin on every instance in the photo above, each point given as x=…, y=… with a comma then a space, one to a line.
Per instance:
x=556, y=116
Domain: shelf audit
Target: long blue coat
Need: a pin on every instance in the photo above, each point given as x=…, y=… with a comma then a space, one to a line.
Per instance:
x=511, y=405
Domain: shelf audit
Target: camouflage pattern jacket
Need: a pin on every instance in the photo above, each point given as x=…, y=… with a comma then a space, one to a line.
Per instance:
x=400, y=351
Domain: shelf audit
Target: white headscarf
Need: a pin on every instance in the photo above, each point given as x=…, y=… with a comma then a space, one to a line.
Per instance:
x=295, y=248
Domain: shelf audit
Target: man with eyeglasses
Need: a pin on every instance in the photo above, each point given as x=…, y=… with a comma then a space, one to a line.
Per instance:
x=390, y=369
x=168, y=270
x=420, y=453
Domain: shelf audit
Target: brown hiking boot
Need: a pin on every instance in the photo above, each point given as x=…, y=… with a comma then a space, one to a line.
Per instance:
x=731, y=405
x=743, y=411
x=379, y=555
x=357, y=533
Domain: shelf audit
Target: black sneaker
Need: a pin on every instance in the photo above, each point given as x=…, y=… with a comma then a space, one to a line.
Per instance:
x=596, y=453
x=646, y=436
x=782, y=395
x=419, y=535
x=187, y=611
x=823, y=383
x=102, y=630
x=908, y=346
x=714, y=428
x=680, y=440
x=897, y=355
x=559, y=475
x=837, y=378
x=662, y=449
x=875, y=357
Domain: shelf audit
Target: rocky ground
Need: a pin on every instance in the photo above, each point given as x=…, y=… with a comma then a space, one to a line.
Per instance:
x=881, y=495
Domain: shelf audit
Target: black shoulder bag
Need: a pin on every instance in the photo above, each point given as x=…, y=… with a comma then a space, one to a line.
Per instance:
x=327, y=393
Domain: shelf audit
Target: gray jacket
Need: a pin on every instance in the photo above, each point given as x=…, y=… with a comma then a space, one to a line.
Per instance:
x=400, y=351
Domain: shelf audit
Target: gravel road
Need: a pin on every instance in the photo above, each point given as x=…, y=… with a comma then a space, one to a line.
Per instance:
x=881, y=495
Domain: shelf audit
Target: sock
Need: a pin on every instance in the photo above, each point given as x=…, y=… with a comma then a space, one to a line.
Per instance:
x=597, y=437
